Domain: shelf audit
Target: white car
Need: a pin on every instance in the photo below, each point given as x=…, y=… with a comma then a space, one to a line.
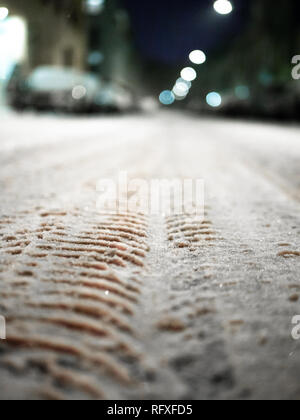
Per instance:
x=60, y=88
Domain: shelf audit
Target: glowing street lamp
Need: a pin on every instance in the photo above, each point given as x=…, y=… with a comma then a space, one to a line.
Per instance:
x=167, y=97
x=4, y=12
x=180, y=90
x=188, y=74
x=94, y=7
x=197, y=57
x=214, y=99
x=223, y=7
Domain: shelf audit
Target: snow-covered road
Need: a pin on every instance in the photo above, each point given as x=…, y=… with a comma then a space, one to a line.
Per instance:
x=136, y=306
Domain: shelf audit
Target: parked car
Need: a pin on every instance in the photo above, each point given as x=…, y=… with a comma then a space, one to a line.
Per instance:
x=58, y=88
x=63, y=89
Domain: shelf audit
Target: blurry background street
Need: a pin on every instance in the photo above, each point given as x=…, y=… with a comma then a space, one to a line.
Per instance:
x=235, y=58
x=133, y=306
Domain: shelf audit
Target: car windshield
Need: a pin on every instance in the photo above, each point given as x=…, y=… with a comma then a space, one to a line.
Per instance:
x=47, y=78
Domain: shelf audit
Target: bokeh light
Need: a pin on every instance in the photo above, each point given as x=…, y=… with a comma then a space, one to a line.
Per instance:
x=197, y=57
x=181, y=80
x=95, y=58
x=180, y=98
x=180, y=89
x=214, y=99
x=4, y=12
x=94, y=6
x=223, y=7
x=265, y=78
x=242, y=92
x=188, y=74
x=167, y=97
x=79, y=92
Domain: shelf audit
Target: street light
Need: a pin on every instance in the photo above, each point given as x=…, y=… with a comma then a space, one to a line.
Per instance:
x=197, y=57
x=167, y=97
x=188, y=74
x=181, y=80
x=180, y=90
x=214, y=99
x=94, y=7
x=4, y=12
x=223, y=7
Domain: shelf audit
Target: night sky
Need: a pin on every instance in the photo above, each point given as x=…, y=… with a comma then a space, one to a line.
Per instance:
x=167, y=30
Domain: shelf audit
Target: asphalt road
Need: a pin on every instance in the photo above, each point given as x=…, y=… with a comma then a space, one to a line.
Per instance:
x=136, y=306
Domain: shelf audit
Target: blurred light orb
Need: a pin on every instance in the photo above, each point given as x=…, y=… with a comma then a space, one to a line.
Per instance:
x=181, y=80
x=266, y=78
x=94, y=6
x=95, y=3
x=95, y=58
x=79, y=92
x=214, y=99
x=188, y=74
x=167, y=97
x=4, y=12
x=223, y=7
x=242, y=92
x=180, y=98
x=197, y=57
x=180, y=89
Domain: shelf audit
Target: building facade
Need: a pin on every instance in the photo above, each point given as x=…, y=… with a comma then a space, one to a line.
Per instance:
x=55, y=31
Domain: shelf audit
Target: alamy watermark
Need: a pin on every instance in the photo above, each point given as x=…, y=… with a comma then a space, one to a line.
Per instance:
x=296, y=68
x=153, y=197
x=296, y=329
x=2, y=328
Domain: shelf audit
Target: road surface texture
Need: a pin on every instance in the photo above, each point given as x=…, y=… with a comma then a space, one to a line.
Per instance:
x=130, y=306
